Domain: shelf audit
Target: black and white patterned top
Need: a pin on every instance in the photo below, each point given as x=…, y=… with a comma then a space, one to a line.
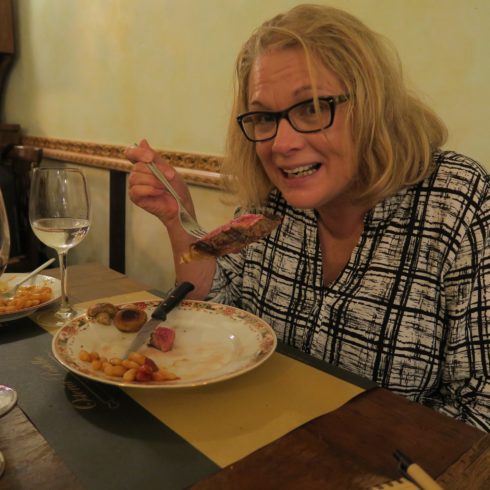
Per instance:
x=411, y=310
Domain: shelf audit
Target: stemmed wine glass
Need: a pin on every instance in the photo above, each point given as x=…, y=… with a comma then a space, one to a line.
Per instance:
x=4, y=236
x=8, y=396
x=59, y=213
x=8, y=400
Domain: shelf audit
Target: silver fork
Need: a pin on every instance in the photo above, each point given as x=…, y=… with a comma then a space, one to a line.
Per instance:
x=190, y=225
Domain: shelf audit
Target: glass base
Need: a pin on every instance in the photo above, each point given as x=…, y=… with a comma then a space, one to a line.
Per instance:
x=55, y=318
x=8, y=399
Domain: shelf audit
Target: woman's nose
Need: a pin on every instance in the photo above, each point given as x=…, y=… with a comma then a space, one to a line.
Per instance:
x=287, y=138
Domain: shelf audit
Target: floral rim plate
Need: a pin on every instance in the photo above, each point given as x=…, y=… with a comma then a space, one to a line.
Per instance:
x=213, y=342
x=39, y=280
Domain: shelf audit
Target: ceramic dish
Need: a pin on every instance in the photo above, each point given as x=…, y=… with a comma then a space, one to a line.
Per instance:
x=39, y=280
x=8, y=399
x=213, y=343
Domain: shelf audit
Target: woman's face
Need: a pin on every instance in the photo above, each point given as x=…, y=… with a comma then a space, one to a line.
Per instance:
x=312, y=170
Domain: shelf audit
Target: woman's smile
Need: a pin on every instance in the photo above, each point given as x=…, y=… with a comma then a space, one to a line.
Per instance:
x=302, y=171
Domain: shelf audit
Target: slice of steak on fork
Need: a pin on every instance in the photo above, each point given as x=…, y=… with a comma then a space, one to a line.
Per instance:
x=233, y=236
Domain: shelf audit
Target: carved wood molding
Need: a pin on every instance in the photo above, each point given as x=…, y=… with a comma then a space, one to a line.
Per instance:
x=196, y=168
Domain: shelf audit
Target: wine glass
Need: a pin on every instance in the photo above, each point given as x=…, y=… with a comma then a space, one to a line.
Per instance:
x=4, y=241
x=8, y=400
x=59, y=213
x=8, y=396
x=4, y=236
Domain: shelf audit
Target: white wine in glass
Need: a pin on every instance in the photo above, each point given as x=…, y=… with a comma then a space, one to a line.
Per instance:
x=59, y=213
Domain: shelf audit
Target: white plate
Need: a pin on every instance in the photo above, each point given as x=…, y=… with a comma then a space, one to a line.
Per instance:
x=39, y=280
x=8, y=399
x=213, y=343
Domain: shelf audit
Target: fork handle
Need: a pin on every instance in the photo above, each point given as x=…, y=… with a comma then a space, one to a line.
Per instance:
x=165, y=182
x=35, y=271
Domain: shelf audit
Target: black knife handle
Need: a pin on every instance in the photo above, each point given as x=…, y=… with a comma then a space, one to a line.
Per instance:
x=172, y=300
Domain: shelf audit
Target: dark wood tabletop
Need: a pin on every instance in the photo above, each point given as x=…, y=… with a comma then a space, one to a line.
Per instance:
x=349, y=448
x=352, y=448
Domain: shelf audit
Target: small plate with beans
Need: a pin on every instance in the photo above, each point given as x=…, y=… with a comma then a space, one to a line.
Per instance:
x=37, y=293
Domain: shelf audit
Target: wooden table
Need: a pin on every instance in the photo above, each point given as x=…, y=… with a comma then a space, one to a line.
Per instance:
x=352, y=447
x=348, y=448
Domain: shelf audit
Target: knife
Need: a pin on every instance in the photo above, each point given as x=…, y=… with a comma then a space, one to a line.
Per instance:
x=160, y=314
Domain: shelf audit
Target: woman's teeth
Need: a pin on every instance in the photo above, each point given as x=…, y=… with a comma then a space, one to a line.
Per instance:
x=301, y=171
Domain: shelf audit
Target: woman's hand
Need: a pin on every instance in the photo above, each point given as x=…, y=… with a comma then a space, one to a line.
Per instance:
x=147, y=192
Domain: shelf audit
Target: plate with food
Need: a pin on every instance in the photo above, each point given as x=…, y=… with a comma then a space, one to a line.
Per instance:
x=198, y=344
x=34, y=294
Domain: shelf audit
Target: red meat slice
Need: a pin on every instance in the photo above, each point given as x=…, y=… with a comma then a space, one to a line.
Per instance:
x=233, y=236
x=162, y=338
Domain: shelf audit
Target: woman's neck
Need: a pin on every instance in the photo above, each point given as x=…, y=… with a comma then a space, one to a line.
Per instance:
x=341, y=222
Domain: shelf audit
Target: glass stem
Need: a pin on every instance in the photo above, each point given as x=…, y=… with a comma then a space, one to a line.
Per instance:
x=65, y=305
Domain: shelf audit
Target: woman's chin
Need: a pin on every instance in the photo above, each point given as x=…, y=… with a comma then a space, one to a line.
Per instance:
x=300, y=201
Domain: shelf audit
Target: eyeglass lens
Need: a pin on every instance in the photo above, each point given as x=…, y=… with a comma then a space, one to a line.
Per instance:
x=304, y=117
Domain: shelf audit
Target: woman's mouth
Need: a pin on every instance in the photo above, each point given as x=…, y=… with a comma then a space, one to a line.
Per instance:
x=302, y=171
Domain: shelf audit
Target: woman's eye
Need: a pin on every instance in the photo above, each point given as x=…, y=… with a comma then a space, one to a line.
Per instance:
x=263, y=118
x=306, y=110
x=324, y=107
x=309, y=109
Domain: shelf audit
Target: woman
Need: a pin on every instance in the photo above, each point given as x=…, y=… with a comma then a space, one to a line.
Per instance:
x=380, y=265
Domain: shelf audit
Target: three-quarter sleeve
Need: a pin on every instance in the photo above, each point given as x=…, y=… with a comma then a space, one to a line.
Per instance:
x=466, y=374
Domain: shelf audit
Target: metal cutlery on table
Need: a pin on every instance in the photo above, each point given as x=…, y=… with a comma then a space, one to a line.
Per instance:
x=190, y=225
x=11, y=291
x=173, y=298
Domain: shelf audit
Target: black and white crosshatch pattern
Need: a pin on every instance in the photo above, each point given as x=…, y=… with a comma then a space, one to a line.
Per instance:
x=410, y=310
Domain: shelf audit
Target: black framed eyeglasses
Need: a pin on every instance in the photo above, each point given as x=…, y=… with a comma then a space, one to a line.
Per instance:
x=304, y=117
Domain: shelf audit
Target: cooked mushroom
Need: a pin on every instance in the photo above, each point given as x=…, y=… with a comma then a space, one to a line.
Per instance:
x=130, y=319
x=102, y=313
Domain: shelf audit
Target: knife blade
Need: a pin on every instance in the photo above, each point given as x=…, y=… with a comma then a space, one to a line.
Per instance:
x=160, y=314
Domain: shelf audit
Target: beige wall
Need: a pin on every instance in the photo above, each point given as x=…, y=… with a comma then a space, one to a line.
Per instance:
x=113, y=71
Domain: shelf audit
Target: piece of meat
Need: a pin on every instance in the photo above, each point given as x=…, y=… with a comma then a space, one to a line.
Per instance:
x=162, y=338
x=233, y=236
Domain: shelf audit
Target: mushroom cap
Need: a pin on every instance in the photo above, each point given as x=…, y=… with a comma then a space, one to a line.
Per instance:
x=108, y=308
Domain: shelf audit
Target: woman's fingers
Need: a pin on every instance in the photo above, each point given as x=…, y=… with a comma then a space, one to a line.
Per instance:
x=142, y=152
x=137, y=154
x=154, y=200
x=145, y=154
x=141, y=188
x=146, y=191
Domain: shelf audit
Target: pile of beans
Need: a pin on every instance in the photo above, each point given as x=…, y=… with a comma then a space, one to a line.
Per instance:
x=136, y=367
x=26, y=297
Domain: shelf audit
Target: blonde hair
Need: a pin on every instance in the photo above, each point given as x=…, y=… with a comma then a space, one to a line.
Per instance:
x=393, y=131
